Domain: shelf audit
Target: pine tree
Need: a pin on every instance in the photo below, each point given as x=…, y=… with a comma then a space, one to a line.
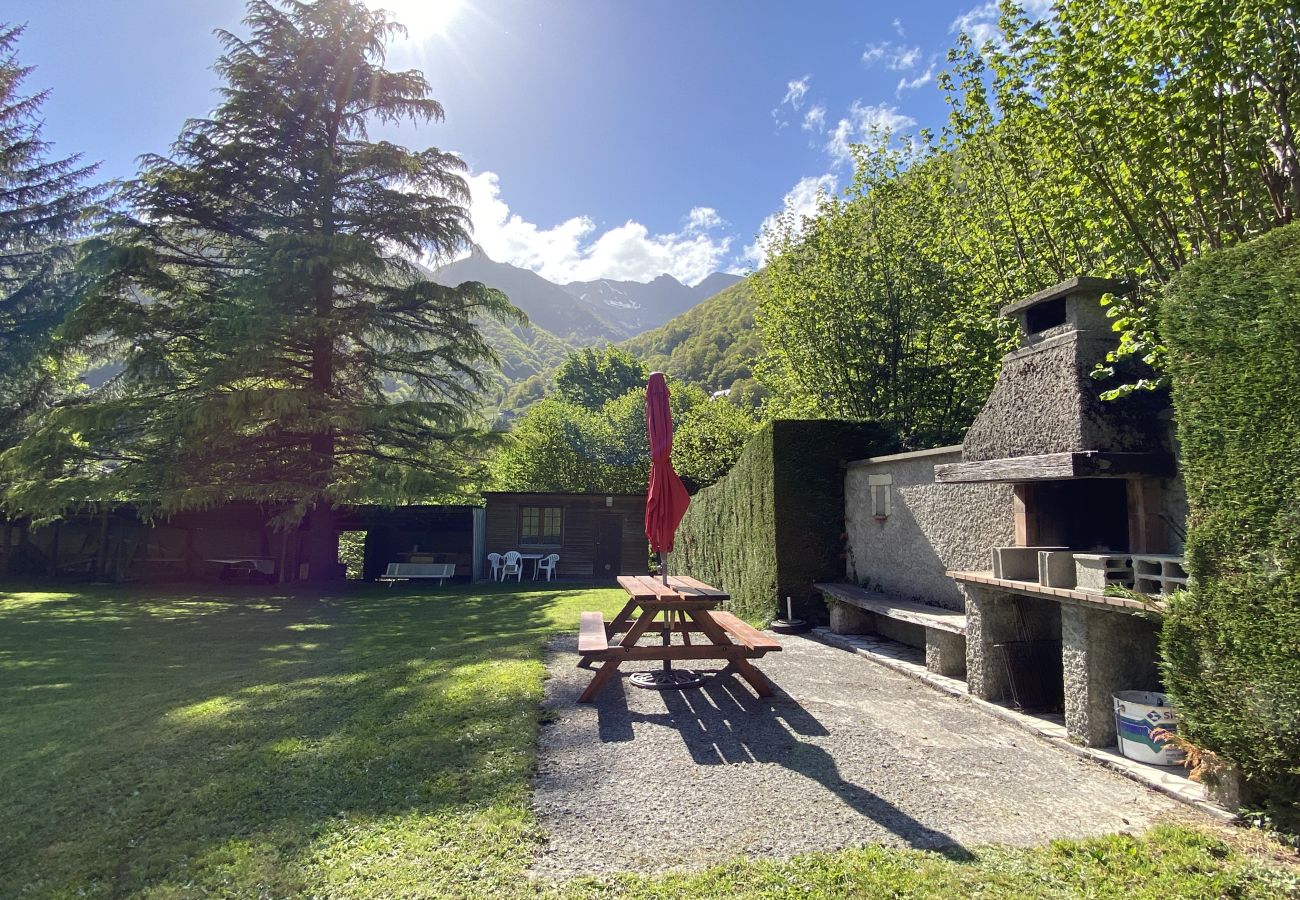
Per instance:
x=278, y=345
x=43, y=206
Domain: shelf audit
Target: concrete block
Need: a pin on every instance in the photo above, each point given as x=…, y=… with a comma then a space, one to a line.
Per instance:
x=1102, y=653
x=990, y=619
x=1056, y=568
x=1018, y=563
x=1094, y=571
x=846, y=619
x=945, y=653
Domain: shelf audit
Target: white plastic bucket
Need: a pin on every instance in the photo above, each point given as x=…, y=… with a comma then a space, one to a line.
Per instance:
x=1137, y=714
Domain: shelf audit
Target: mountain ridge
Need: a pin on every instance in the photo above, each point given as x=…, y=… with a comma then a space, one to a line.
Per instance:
x=569, y=317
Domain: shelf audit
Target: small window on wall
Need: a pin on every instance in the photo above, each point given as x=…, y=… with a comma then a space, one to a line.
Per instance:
x=880, y=486
x=540, y=525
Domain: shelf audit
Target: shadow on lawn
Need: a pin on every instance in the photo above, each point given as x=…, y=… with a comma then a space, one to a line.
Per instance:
x=722, y=723
x=144, y=732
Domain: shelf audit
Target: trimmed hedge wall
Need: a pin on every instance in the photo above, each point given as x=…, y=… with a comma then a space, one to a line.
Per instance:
x=1232, y=643
x=775, y=523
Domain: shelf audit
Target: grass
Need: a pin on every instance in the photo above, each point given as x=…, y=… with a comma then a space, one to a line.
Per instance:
x=376, y=744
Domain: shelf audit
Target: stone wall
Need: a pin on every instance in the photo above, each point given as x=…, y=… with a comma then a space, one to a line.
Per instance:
x=917, y=530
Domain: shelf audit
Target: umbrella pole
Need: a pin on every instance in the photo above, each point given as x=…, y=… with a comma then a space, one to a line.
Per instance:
x=668, y=616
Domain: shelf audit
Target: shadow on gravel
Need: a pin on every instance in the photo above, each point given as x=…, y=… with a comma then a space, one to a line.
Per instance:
x=722, y=723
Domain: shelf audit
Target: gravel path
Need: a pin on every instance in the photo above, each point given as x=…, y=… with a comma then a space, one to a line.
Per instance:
x=847, y=753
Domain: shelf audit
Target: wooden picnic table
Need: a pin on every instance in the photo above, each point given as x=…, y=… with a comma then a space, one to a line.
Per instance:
x=688, y=607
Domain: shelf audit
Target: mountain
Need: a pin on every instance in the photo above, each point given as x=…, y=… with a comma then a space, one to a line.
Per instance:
x=547, y=305
x=562, y=318
x=638, y=307
x=585, y=312
x=713, y=345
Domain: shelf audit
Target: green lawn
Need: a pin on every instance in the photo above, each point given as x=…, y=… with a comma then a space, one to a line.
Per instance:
x=185, y=743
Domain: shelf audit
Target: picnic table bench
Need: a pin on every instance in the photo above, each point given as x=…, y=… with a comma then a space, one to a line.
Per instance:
x=687, y=606
x=409, y=571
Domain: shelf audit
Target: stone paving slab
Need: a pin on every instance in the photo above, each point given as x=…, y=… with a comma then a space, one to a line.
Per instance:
x=848, y=753
x=1171, y=780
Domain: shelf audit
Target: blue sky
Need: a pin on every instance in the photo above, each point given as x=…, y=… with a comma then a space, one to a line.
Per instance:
x=607, y=138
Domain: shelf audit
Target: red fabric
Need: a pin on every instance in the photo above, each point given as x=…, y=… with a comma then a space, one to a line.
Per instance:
x=666, y=501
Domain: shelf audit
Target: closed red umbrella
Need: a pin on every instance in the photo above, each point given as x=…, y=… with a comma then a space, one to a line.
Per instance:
x=665, y=504
x=667, y=499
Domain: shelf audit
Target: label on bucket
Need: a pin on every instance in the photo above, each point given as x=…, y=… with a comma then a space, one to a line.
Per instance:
x=1137, y=715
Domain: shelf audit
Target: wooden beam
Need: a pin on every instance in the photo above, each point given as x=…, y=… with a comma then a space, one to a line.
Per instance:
x=1055, y=467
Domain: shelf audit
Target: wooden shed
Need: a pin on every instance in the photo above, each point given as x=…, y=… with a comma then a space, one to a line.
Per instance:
x=598, y=536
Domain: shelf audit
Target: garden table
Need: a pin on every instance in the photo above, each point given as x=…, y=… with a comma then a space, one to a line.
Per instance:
x=535, y=558
x=688, y=607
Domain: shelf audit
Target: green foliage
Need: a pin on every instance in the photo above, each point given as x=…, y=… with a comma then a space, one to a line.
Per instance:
x=1127, y=137
x=1231, y=645
x=774, y=524
x=44, y=206
x=272, y=248
x=591, y=378
x=862, y=312
x=561, y=446
x=1118, y=138
x=709, y=440
x=713, y=345
x=556, y=446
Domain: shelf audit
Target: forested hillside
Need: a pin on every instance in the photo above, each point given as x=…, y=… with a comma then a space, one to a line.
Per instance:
x=714, y=345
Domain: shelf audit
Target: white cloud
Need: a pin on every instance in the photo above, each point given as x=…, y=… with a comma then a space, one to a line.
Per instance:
x=573, y=250
x=862, y=122
x=703, y=218
x=911, y=84
x=898, y=27
x=815, y=119
x=802, y=201
x=896, y=57
x=795, y=91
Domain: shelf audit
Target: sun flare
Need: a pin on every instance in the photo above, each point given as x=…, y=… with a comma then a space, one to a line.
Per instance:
x=422, y=18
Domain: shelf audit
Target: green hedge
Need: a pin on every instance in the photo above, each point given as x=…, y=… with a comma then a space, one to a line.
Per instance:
x=775, y=523
x=1232, y=643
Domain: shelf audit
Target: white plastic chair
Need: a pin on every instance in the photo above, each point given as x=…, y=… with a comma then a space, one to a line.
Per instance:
x=494, y=560
x=547, y=565
x=513, y=565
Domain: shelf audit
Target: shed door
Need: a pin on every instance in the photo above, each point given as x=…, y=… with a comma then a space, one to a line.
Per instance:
x=609, y=545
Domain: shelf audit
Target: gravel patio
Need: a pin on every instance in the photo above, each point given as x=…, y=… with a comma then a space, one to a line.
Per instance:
x=847, y=753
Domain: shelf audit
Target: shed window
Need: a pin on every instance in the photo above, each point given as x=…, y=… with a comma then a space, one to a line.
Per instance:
x=540, y=524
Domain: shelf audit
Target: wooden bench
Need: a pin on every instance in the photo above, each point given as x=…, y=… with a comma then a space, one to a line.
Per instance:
x=409, y=571
x=945, y=629
x=744, y=633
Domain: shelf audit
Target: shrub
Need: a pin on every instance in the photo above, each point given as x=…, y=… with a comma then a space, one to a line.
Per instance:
x=1232, y=643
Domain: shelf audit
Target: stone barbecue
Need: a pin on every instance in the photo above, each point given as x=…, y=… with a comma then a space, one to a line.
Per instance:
x=1074, y=494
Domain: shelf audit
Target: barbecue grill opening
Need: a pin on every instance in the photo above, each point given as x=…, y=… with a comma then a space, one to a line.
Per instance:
x=1086, y=514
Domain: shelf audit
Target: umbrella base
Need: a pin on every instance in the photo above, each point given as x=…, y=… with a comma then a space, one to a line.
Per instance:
x=672, y=680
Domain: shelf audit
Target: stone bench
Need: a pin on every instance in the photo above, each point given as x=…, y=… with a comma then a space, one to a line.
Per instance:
x=853, y=611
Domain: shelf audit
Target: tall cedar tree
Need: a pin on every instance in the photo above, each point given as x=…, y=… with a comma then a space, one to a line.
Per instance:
x=278, y=347
x=43, y=206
